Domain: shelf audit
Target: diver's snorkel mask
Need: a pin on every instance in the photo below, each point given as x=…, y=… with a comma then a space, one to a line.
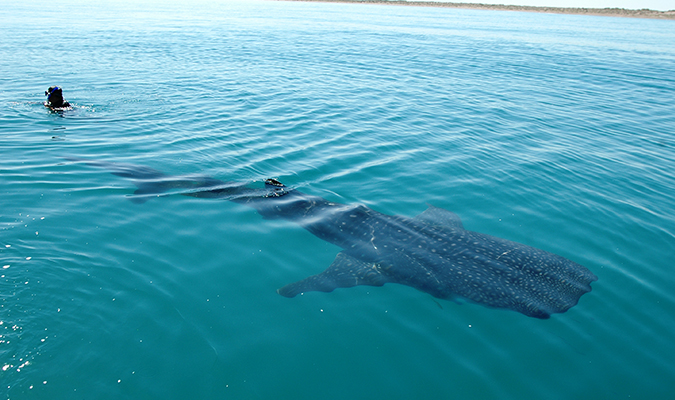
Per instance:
x=51, y=90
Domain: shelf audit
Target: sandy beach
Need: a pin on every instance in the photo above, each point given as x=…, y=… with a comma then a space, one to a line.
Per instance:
x=608, y=12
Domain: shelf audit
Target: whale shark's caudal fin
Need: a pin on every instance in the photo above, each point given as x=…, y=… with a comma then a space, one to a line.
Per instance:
x=344, y=272
x=153, y=183
x=132, y=171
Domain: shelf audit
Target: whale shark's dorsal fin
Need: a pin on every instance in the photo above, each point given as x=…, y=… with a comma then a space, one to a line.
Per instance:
x=346, y=271
x=440, y=217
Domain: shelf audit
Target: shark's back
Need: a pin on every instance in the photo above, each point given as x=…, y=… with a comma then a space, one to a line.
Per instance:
x=435, y=254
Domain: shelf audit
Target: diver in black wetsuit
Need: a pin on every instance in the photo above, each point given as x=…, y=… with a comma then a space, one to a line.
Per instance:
x=55, y=98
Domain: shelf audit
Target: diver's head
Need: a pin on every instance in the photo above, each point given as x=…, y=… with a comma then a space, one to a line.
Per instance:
x=54, y=96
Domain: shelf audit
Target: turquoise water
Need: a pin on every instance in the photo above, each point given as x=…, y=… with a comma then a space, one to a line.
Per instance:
x=550, y=130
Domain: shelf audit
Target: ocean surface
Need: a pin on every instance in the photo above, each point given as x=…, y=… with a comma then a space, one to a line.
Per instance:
x=555, y=131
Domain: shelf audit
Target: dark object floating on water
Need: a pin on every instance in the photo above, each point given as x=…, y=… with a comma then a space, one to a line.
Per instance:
x=55, y=100
x=431, y=252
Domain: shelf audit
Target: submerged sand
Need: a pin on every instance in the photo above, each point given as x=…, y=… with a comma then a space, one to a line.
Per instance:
x=609, y=12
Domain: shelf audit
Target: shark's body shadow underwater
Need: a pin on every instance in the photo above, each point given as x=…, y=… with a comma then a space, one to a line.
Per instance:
x=431, y=252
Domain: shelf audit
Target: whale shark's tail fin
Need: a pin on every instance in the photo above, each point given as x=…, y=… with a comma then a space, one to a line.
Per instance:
x=124, y=170
x=153, y=183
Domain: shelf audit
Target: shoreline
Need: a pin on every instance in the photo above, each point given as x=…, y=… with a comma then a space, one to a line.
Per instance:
x=606, y=12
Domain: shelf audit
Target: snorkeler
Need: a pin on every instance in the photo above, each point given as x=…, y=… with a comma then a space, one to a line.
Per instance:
x=55, y=100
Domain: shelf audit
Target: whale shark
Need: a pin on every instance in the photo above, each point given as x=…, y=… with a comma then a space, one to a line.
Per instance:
x=431, y=252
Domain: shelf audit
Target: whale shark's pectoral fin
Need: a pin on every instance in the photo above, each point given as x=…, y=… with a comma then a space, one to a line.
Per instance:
x=346, y=271
x=440, y=217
